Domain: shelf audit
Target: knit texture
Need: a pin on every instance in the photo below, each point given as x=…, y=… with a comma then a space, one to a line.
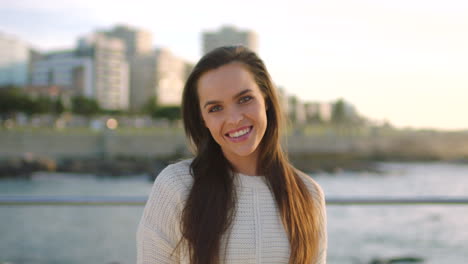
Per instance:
x=255, y=236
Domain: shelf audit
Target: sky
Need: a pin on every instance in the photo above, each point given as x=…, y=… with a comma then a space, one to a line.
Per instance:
x=401, y=61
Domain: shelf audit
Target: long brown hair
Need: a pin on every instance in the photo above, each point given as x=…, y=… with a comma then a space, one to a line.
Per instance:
x=212, y=198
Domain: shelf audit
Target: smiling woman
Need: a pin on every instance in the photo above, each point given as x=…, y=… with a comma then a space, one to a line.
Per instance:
x=239, y=200
x=234, y=112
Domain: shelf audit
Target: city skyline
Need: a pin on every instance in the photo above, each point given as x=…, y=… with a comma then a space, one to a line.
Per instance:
x=405, y=62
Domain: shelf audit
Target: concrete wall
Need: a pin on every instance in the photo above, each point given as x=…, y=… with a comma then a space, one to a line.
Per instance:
x=57, y=144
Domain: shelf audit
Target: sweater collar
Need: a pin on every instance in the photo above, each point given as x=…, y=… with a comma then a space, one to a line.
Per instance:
x=250, y=181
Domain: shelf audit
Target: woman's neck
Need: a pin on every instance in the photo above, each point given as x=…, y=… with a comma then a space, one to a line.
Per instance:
x=246, y=165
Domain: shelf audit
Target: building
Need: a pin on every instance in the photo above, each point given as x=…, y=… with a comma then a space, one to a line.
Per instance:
x=300, y=112
x=283, y=100
x=52, y=92
x=229, y=35
x=159, y=75
x=325, y=111
x=97, y=68
x=351, y=113
x=137, y=41
x=318, y=111
x=110, y=69
x=170, y=73
x=67, y=70
x=296, y=110
x=138, y=45
x=14, y=61
x=188, y=69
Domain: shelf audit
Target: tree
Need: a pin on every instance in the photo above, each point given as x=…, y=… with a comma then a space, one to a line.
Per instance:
x=13, y=100
x=41, y=105
x=293, y=101
x=338, y=112
x=57, y=106
x=151, y=106
x=316, y=119
x=82, y=105
x=170, y=113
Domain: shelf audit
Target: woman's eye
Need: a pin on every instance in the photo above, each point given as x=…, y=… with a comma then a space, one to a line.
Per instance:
x=245, y=99
x=215, y=108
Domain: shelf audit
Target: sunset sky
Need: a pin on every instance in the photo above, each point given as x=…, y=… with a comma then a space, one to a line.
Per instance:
x=405, y=61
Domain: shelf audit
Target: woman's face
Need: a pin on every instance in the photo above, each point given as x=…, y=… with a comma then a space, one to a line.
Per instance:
x=233, y=109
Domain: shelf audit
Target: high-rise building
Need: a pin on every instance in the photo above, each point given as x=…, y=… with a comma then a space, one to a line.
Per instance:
x=138, y=45
x=137, y=41
x=170, y=77
x=67, y=70
x=97, y=69
x=160, y=76
x=229, y=35
x=110, y=69
x=14, y=61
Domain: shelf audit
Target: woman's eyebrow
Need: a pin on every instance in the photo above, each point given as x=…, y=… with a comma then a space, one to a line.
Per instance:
x=241, y=93
x=235, y=96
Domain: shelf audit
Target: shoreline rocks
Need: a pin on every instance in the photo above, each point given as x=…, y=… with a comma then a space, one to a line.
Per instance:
x=121, y=166
x=126, y=165
x=398, y=260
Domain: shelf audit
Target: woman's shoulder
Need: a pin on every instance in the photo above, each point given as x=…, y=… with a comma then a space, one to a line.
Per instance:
x=167, y=195
x=175, y=177
x=177, y=169
x=178, y=172
x=314, y=188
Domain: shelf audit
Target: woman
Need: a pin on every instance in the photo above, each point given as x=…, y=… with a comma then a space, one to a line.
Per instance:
x=239, y=200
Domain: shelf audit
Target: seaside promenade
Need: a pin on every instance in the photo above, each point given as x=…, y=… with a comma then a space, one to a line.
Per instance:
x=160, y=142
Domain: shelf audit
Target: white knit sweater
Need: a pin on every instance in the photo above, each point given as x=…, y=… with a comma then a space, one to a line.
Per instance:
x=256, y=235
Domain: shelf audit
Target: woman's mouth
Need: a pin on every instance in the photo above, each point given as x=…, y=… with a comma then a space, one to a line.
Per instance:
x=239, y=134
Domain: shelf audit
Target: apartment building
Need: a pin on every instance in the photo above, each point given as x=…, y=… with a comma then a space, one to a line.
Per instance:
x=159, y=75
x=229, y=35
x=110, y=69
x=14, y=61
x=137, y=41
x=65, y=69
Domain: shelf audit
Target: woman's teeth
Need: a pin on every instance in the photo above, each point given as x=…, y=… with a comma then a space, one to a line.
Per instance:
x=239, y=133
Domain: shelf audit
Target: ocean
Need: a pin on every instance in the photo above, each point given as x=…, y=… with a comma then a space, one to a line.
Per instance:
x=356, y=233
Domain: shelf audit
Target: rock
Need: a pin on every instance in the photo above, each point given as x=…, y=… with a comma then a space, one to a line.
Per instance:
x=398, y=260
x=24, y=167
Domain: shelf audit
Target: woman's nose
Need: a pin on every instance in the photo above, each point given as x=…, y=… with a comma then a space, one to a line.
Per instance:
x=235, y=116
